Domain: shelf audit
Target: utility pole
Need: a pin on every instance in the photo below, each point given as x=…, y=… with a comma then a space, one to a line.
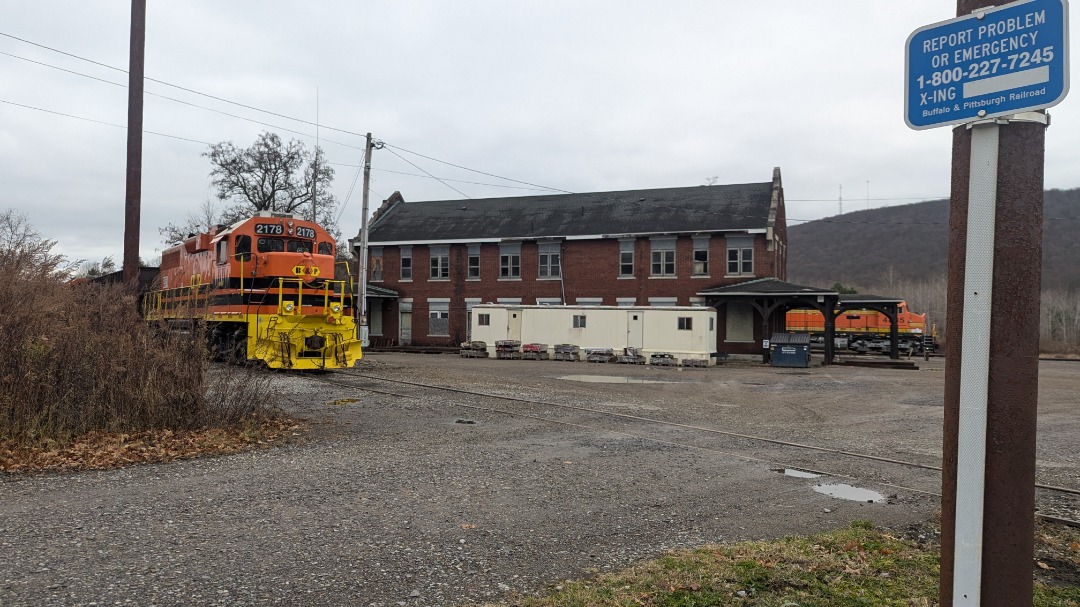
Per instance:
x=995, y=248
x=362, y=262
x=133, y=196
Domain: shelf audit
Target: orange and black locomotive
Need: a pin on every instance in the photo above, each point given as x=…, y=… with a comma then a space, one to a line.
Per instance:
x=264, y=290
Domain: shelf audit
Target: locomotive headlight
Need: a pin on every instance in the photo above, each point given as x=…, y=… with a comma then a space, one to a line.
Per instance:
x=336, y=308
x=289, y=307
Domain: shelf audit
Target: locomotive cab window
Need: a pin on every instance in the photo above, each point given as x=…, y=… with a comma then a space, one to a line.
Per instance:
x=223, y=250
x=242, y=247
x=271, y=245
x=325, y=248
x=299, y=246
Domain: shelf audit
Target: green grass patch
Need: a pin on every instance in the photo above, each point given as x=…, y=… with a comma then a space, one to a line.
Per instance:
x=860, y=566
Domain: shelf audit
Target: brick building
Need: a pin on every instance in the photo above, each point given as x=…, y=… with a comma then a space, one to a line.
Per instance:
x=430, y=262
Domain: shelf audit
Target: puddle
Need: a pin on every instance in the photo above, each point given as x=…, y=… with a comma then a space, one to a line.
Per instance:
x=847, y=492
x=611, y=379
x=795, y=472
x=464, y=421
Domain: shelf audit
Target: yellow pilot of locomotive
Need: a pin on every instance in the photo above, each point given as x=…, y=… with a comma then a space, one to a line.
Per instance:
x=264, y=290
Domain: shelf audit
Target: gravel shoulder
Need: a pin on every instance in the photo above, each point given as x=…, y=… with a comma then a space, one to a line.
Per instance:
x=392, y=501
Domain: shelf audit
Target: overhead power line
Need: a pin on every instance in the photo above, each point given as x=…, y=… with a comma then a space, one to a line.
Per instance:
x=429, y=174
x=257, y=109
x=176, y=86
x=457, y=166
x=119, y=126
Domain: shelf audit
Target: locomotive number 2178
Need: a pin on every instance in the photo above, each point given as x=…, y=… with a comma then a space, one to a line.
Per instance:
x=272, y=229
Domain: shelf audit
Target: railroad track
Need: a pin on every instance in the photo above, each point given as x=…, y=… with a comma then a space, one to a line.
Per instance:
x=526, y=408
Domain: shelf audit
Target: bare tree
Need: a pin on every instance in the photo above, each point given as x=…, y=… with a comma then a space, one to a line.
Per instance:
x=93, y=269
x=25, y=252
x=204, y=218
x=273, y=176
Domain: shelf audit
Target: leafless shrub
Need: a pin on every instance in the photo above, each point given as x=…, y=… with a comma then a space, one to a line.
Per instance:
x=78, y=357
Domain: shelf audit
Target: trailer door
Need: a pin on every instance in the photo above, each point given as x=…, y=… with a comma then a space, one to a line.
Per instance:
x=635, y=329
x=513, y=324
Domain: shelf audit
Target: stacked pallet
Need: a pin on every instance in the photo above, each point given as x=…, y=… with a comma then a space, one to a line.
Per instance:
x=631, y=356
x=534, y=351
x=508, y=349
x=664, y=359
x=474, y=349
x=599, y=355
x=567, y=352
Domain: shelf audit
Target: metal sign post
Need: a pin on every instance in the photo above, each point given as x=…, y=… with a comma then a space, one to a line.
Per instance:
x=988, y=70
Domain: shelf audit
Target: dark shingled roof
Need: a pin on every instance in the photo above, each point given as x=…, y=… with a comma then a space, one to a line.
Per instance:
x=669, y=210
x=766, y=286
x=860, y=298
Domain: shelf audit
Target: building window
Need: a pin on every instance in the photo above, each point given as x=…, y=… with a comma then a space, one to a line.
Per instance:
x=375, y=263
x=686, y=323
x=626, y=258
x=440, y=263
x=663, y=257
x=438, y=318
x=510, y=261
x=701, y=256
x=740, y=256
x=549, y=260
x=406, y=263
x=625, y=302
x=484, y=320
x=474, y=262
x=579, y=321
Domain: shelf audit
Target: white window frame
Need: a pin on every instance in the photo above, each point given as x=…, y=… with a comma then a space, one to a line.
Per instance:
x=439, y=262
x=685, y=323
x=510, y=261
x=700, y=261
x=549, y=260
x=579, y=321
x=439, y=309
x=662, y=257
x=406, y=268
x=473, y=272
x=740, y=256
x=626, y=258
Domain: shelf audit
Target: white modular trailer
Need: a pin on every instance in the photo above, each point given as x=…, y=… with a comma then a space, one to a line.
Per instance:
x=687, y=333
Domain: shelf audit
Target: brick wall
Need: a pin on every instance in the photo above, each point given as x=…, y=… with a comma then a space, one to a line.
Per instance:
x=590, y=269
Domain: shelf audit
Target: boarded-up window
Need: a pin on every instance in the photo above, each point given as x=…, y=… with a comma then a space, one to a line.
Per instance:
x=740, y=322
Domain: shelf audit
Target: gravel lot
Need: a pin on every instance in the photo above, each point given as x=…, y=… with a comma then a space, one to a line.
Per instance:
x=397, y=501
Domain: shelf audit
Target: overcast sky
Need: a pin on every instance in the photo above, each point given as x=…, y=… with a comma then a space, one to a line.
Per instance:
x=571, y=95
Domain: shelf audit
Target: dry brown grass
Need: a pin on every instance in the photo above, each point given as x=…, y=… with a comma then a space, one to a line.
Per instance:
x=99, y=450
x=79, y=362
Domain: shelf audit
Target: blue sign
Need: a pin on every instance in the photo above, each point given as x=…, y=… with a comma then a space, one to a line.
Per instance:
x=993, y=62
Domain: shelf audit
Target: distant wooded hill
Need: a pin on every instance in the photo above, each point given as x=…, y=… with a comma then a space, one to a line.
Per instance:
x=909, y=243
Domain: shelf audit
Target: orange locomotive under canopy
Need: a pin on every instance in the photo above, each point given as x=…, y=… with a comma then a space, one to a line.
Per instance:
x=858, y=322
x=265, y=289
